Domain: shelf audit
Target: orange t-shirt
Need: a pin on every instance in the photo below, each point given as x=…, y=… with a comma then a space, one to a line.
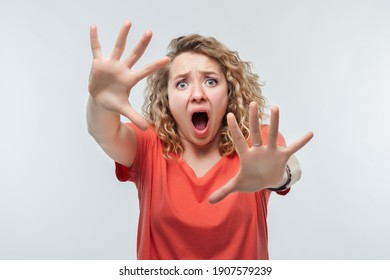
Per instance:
x=176, y=220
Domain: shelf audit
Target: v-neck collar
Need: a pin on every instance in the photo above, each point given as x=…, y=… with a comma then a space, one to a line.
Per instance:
x=209, y=173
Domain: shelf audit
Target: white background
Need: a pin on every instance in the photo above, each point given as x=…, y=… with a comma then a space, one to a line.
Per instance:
x=326, y=64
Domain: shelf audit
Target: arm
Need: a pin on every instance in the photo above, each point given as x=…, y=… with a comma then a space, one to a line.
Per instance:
x=116, y=139
x=261, y=166
x=290, y=177
x=110, y=84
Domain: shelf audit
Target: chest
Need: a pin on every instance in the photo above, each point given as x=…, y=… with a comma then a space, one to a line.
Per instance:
x=181, y=198
x=200, y=167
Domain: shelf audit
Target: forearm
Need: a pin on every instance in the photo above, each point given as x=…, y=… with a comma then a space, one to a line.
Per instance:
x=103, y=125
x=116, y=139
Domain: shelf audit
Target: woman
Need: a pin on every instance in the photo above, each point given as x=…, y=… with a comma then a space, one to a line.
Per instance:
x=203, y=166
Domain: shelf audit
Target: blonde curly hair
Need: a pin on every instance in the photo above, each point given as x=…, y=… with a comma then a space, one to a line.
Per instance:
x=243, y=88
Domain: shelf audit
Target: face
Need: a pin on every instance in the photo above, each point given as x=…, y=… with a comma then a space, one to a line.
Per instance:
x=198, y=97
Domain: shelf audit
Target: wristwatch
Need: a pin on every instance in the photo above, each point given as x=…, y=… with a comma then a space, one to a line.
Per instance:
x=285, y=185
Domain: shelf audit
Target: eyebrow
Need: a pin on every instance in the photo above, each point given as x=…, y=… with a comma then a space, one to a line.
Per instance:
x=205, y=73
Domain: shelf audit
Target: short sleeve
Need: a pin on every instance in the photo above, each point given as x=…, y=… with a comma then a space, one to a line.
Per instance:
x=264, y=133
x=145, y=140
x=123, y=173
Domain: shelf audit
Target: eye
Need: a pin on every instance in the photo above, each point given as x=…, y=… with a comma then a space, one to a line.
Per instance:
x=181, y=85
x=211, y=82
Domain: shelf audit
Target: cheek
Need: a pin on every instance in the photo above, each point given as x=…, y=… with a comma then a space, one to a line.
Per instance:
x=175, y=106
x=221, y=100
x=171, y=100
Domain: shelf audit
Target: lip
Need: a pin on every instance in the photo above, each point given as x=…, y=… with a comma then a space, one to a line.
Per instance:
x=200, y=133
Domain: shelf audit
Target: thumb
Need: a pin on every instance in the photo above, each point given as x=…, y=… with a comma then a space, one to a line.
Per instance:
x=222, y=192
x=134, y=116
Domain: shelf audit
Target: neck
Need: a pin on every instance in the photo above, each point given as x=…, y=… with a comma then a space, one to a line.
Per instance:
x=201, y=158
x=199, y=152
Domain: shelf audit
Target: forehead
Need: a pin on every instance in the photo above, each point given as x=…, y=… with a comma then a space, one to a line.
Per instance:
x=188, y=61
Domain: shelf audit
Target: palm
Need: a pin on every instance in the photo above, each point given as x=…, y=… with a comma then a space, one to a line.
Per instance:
x=261, y=166
x=109, y=83
x=111, y=79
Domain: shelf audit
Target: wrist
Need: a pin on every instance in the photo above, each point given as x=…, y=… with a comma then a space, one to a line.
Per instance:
x=287, y=180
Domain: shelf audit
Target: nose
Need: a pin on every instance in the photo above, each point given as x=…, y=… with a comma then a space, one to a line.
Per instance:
x=198, y=93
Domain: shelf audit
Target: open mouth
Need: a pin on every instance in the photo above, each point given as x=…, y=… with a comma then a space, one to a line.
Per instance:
x=200, y=120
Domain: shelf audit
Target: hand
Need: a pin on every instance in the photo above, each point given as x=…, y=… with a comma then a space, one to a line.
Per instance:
x=261, y=166
x=111, y=80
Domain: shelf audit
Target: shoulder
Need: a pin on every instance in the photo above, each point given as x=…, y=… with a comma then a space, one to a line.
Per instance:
x=147, y=140
x=264, y=133
x=148, y=149
x=149, y=133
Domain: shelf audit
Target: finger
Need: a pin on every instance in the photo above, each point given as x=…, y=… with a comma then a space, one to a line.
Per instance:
x=139, y=49
x=222, y=192
x=238, y=139
x=134, y=116
x=120, y=43
x=273, y=128
x=150, y=68
x=297, y=145
x=95, y=45
x=254, y=126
